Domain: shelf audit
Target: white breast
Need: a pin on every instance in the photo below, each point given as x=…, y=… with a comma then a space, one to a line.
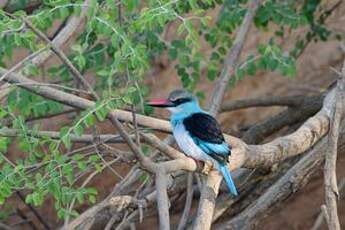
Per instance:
x=186, y=143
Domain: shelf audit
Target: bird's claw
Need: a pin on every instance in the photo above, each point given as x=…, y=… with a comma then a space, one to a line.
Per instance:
x=208, y=166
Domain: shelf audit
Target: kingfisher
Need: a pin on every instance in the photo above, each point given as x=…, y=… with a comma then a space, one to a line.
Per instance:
x=197, y=133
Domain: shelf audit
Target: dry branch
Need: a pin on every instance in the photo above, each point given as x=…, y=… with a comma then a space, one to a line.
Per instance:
x=291, y=101
x=162, y=200
x=331, y=187
x=207, y=201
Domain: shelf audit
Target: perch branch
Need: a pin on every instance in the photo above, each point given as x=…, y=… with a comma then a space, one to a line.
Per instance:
x=250, y=156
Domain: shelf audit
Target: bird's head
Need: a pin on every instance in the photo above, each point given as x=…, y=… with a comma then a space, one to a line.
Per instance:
x=179, y=101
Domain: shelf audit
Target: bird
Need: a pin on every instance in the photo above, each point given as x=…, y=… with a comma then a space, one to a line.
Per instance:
x=196, y=132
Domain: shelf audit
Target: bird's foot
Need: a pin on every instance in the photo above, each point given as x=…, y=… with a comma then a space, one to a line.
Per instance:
x=198, y=163
x=208, y=166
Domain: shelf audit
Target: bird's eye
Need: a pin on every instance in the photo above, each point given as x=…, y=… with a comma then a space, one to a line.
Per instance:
x=180, y=101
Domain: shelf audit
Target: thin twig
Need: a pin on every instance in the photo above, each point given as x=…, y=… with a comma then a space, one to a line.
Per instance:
x=34, y=211
x=85, y=138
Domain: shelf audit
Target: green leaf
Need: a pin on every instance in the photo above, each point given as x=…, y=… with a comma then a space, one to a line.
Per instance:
x=67, y=141
x=79, y=130
x=89, y=120
x=92, y=199
x=103, y=73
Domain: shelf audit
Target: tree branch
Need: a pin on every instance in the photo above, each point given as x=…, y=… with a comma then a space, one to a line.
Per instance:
x=162, y=200
x=330, y=178
x=207, y=201
x=290, y=101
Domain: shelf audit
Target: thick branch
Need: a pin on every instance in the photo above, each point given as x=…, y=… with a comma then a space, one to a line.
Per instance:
x=162, y=200
x=331, y=188
x=207, y=201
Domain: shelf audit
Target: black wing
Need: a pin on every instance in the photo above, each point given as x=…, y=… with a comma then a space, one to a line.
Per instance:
x=205, y=127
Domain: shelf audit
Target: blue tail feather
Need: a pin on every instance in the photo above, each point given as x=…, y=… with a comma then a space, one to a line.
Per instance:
x=227, y=177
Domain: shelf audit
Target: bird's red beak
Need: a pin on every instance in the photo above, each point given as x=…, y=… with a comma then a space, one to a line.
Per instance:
x=163, y=103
